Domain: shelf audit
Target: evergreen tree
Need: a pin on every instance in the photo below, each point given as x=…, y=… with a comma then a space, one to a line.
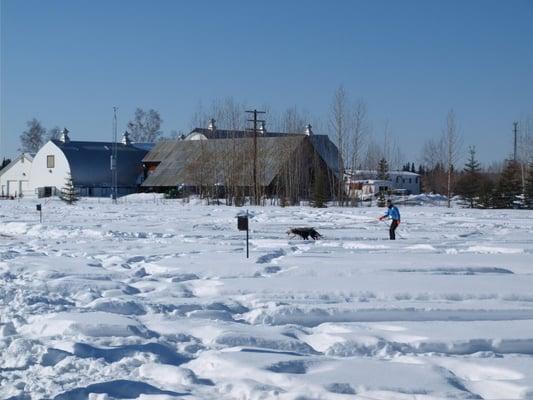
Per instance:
x=469, y=183
x=413, y=168
x=5, y=163
x=529, y=188
x=383, y=169
x=69, y=194
x=486, y=192
x=509, y=186
x=319, y=193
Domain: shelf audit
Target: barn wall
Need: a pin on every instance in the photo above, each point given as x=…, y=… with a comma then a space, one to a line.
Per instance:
x=41, y=176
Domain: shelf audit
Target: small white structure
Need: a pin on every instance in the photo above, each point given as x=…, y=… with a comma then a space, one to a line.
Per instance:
x=363, y=184
x=14, y=178
x=367, y=189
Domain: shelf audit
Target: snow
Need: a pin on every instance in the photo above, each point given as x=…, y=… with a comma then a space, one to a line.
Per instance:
x=155, y=299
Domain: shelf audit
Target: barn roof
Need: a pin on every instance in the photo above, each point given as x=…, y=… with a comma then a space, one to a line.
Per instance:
x=235, y=134
x=90, y=162
x=208, y=162
x=28, y=156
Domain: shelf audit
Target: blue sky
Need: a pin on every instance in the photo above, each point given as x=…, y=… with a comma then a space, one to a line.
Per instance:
x=68, y=63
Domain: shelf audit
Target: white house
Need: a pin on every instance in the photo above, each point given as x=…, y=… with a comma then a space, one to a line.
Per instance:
x=14, y=178
x=89, y=165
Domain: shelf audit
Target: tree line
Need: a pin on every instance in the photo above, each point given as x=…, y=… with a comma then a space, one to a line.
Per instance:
x=361, y=146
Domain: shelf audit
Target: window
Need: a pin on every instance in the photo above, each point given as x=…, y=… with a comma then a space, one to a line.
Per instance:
x=409, y=180
x=50, y=162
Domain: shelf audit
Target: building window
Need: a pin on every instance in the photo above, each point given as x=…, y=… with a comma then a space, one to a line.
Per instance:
x=409, y=180
x=416, y=179
x=50, y=162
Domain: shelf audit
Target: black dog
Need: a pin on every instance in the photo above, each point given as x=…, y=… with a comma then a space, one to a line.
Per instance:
x=304, y=233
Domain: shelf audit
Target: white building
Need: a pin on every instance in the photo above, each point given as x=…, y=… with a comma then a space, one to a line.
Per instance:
x=89, y=165
x=14, y=178
x=364, y=184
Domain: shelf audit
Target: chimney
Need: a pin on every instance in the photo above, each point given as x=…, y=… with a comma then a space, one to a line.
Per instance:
x=308, y=130
x=126, y=138
x=262, y=129
x=212, y=127
x=64, y=136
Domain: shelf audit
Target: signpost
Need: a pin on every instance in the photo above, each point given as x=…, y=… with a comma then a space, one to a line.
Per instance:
x=39, y=208
x=242, y=225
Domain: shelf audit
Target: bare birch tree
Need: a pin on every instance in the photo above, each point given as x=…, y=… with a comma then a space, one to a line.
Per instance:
x=525, y=146
x=358, y=133
x=32, y=138
x=452, y=146
x=339, y=116
x=145, y=126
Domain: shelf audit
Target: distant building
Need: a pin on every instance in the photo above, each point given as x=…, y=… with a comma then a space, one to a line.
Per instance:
x=364, y=184
x=14, y=177
x=286, y=163
x=89, y=164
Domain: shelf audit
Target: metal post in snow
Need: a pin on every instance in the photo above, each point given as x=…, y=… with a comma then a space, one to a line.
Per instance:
x=247, y=235
x=242, y=225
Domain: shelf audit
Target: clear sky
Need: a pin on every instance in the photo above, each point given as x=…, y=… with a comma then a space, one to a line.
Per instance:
x=68, y=63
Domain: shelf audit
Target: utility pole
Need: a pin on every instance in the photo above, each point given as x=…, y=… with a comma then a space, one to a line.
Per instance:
x=515, y=130
x=114, y=172
x=254, y=173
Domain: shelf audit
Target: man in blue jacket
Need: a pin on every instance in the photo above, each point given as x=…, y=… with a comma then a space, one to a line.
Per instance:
x=394, y=214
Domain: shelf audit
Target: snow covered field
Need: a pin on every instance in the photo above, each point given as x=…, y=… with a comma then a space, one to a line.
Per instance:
x=156, y=300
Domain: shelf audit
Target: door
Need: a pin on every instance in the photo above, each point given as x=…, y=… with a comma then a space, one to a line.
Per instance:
x=12, y=188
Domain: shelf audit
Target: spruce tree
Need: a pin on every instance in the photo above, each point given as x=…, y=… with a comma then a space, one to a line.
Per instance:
x=69, y=194
x=509, y=186
x=383, y=169
x=469, y=183
x=529, y=188
x=486, y=193
x=319, y=194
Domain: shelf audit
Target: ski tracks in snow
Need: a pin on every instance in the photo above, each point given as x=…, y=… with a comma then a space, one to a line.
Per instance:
x=160, y=301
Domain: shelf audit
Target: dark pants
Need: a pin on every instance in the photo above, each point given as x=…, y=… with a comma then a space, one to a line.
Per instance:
x=393, y=226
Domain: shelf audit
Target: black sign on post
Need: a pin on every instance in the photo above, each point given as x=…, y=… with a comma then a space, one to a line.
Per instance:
x=242, y=225
x=242, y=222
x=39, y=208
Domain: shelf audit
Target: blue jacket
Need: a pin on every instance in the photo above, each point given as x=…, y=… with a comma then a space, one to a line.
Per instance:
x=393, y=213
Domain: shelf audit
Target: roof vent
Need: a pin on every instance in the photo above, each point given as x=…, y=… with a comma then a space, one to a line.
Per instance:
x=126, y=138
x=308, y=130
x=212, y=126
x=64, y=136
